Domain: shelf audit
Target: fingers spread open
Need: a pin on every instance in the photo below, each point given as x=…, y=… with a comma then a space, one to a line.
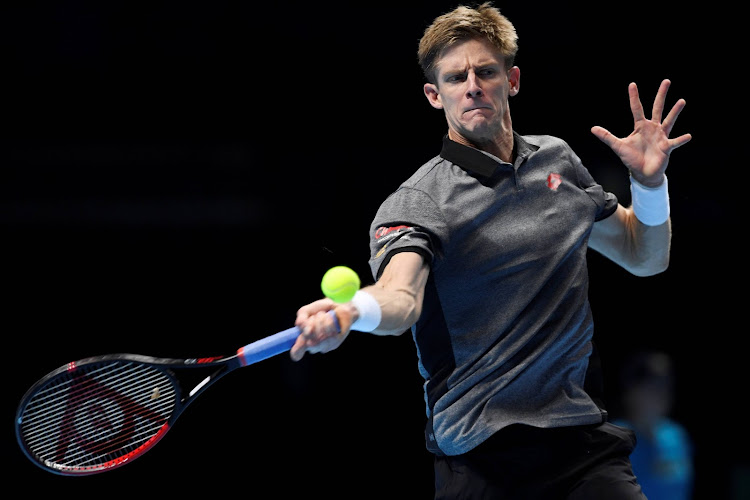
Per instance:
x=661, y=98
x=671, y=118
x=605, y=136
x=635, y=103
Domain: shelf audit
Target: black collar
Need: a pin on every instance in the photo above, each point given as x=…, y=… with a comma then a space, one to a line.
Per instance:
x=474, y=160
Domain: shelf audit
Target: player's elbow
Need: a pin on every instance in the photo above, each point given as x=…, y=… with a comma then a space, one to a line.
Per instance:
x=644, y=272
x=400, y=312
x=413, y=309
x=652, y=266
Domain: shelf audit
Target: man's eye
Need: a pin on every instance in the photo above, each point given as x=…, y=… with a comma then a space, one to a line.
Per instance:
x=487, y=72
x=455, y=78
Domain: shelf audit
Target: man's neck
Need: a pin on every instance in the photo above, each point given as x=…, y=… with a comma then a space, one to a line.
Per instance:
x=501, y=147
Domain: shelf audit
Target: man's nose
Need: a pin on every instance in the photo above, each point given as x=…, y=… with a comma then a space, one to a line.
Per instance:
x=473, y=89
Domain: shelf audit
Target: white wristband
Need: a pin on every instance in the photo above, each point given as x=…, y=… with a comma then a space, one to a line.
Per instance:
x=369, y=312
x=650, y=205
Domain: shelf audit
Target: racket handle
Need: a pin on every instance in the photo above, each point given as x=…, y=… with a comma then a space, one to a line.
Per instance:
x=273, y=344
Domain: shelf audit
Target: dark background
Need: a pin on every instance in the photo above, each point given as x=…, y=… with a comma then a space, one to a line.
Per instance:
x=177, y=177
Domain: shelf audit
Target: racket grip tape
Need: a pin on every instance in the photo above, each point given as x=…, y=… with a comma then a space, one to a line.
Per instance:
x=273, y=344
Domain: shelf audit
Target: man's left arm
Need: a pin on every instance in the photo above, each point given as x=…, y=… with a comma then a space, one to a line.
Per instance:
x=638, y=238
x=640, y=249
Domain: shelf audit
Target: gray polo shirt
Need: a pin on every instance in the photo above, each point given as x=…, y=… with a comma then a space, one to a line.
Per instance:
x=505, y=334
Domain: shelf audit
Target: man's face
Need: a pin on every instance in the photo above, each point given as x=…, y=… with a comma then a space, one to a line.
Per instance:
x=472, y=88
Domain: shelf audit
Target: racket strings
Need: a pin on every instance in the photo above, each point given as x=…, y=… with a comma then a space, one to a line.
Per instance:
x=96, y=414
x=57, y=398
x=96, y=431
x=97, y=428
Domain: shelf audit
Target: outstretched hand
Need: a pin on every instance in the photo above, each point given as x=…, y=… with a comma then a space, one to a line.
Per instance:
x=646, y=150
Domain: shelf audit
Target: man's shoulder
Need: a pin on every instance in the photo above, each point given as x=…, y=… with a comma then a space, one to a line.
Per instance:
x=545, y=141
x=426, y=171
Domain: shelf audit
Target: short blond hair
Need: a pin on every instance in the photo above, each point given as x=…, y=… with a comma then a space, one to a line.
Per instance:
x=465, y=23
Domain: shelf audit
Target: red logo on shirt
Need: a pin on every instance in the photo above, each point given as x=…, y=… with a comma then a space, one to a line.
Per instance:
x=382, y=231
x=553, y=181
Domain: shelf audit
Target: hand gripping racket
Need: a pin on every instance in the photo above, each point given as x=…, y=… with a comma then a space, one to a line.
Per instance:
x=99, y=413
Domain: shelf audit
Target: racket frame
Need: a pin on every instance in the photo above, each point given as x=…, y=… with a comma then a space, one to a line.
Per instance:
x=245, y=356
x=167, y=366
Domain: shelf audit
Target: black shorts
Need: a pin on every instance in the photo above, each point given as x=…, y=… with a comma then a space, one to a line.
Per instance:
x=523, y=462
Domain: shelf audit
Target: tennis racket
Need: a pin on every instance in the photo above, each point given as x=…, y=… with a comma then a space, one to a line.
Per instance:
x=100, y=413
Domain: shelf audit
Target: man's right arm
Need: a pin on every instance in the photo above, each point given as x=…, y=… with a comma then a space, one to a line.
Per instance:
x=398, y=293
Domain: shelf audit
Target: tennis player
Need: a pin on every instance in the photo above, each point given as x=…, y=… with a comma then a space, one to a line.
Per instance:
x=482, y=254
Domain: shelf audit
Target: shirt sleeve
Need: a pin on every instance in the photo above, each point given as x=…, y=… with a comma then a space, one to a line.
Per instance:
x=407, y=221
x=605, y=201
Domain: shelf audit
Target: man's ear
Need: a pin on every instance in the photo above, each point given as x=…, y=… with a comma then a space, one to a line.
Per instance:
x=514, y=78
x=433, y=96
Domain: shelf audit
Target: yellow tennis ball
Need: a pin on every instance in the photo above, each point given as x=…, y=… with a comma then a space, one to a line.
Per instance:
x=340, y=284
